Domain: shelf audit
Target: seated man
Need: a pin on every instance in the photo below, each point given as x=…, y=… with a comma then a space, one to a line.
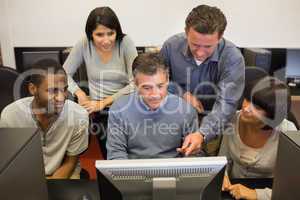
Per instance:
x=151, y=123
x=62, y=124
x=250, y=144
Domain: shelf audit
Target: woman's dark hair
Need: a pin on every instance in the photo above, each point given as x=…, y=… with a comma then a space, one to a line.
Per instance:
x=103, y=16
x=272, y=96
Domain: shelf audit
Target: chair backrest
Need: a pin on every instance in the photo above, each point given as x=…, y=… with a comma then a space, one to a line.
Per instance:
x=252, y=73
x=8, y=77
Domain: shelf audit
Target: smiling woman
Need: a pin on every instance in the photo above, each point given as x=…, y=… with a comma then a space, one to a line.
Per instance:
x=108, y=54
x=250, y=145
x=104, y=40
x=104, y=49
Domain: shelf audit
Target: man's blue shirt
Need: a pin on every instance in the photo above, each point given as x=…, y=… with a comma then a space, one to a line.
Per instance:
x=218, y=82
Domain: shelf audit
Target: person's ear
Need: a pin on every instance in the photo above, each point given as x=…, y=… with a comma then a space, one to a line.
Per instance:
x=220, y=37
x=32, y=89
x=136, y=82
x=186, y=30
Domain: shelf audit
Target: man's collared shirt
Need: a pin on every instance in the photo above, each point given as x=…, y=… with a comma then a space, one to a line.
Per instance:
x=218, y=82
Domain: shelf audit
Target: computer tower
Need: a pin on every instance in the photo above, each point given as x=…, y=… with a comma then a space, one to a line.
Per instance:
x=287, y=169
x=22, y=173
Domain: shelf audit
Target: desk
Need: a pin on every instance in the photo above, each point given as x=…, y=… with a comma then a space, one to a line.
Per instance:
x=88, y=189
x=295, y=107
x=251, y=183
x=73, y=189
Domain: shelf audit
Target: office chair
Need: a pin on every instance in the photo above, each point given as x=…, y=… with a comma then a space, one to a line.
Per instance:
x=8, y=77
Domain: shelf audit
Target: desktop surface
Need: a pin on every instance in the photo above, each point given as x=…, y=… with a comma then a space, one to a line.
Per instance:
x=88, y=189
x=67, y=189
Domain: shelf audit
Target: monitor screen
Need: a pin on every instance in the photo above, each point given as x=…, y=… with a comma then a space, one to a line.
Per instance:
x=173, y=178
x=293, y=63
x=30, y=58
x=27, y=56
x=22, y=173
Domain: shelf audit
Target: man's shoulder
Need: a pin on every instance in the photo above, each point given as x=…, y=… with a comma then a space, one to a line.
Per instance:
x=18, y=112
x=176, y=40
x=74, y=108
x=172, y=98
x=177, y=103
x=18, y=107
x=124, y=101
x=230, y=49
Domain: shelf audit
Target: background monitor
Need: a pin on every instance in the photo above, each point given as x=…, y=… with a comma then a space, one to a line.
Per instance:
x=30, y=58
x=160, y=179
x=22, y=173
x=287, y=169
x=258, y=57
x=293, y=63
x=27, y=56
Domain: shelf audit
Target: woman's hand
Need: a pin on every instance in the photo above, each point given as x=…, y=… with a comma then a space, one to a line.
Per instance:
x=94, y=106
x=226, y=183
x=239, y=191
x=82, y=97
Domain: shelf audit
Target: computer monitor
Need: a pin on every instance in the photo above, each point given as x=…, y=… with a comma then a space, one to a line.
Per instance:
x=258, y=57
x=293, y=64
x=27, y=56
x=292, y=73
x=287, y=169
x=160, y=179
x=22, y=173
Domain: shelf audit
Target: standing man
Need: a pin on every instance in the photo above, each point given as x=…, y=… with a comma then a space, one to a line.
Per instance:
x=207, y=70
x=151, y=123
x=62, y=124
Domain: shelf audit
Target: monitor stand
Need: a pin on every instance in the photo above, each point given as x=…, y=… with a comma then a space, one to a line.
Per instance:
x=164, y=188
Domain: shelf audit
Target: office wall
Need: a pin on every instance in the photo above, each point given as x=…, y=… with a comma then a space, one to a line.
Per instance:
x=256, y=23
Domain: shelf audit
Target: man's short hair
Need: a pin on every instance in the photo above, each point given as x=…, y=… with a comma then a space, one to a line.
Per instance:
x=149, y=64
x=42, y=68
x=206, y=19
